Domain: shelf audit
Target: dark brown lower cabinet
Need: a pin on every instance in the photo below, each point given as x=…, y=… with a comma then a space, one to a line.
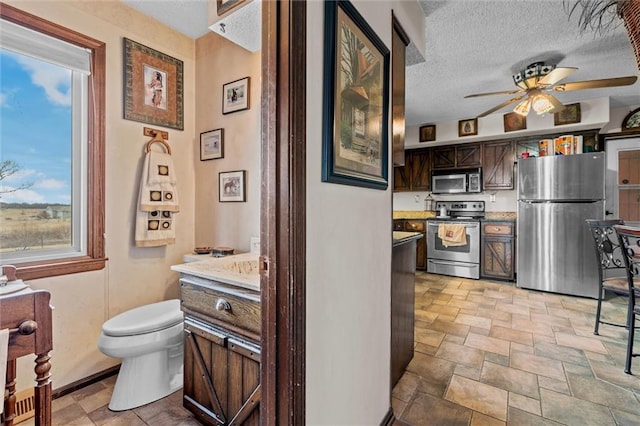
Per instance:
x=498, y=250
x=415, y=225
x=403, y=272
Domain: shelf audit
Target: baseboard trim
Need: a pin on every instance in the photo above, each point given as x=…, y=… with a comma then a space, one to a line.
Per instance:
x=388, y=419
x=89, y=380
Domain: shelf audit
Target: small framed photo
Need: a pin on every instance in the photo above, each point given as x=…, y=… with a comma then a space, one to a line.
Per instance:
x=226, y=5
x=231, y=186
x=468, y=127
x=235, y=96
x=514, y=121
x=428, y=133
x=212, y=144
x=569, y=115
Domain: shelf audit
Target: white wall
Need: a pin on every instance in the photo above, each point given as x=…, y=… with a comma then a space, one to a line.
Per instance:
x=133, y=276
x=348, y=266
x=505, y=200
x=594, y=115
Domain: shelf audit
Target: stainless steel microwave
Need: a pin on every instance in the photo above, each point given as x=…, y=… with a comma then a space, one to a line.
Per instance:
x=456, y=181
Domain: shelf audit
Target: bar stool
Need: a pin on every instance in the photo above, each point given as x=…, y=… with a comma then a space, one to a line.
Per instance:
x=610, y=256
x=629, y=238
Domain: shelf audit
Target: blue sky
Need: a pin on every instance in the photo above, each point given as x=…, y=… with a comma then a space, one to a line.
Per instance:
x=35, y=128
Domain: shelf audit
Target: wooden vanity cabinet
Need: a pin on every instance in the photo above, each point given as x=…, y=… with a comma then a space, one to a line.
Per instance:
x=221, y=352
x=498, y=250
x=497, y=165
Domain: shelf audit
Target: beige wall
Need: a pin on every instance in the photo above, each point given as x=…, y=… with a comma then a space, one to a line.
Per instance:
x=133, y=276
x=220, y=61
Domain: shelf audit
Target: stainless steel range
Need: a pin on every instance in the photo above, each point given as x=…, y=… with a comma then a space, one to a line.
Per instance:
x=455, y=250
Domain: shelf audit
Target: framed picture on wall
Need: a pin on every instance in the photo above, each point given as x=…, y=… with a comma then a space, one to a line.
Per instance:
x=514, y=121
x=235, y=96
x=212, y=144
x=231, y=186
x=355, y=102
x=468, y=127
x=570, y=114
x=223, y=6
x=428, y=133
x=153, y=86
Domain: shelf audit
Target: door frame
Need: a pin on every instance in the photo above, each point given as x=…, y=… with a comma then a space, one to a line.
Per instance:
x=283, y=212
x=611, y=192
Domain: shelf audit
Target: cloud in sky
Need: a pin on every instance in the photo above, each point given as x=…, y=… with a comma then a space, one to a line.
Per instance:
x=53, y=79
x=51, y=184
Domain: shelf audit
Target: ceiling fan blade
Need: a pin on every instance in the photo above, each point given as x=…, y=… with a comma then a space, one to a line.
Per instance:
x=502, y=105
x=595, y=84
x=504, y=92
x=555, y=76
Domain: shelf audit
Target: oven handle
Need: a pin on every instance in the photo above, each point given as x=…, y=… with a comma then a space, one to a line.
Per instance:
x=447, y=262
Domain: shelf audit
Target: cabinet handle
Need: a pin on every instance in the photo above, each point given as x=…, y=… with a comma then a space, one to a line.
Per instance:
x=223, y=305
x=497, y=229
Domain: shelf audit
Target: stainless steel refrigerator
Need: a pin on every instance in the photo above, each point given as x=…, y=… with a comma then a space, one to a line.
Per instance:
x=555, y=248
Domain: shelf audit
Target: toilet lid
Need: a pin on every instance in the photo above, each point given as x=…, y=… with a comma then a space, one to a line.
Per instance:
x=144, y=319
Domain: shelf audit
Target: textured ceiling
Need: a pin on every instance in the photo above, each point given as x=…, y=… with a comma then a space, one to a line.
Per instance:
x=475, y=46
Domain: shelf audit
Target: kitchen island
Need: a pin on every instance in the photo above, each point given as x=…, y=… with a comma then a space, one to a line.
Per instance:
x=221, y=303
x=403, y=272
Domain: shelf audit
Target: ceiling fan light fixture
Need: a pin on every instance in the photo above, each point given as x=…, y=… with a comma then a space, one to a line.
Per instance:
x=541, y=104
x=523, y=107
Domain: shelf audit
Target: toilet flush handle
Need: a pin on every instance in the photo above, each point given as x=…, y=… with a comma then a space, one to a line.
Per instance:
x=223, y=305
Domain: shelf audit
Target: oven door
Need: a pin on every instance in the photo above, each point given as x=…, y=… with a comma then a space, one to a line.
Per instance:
x=469, y=252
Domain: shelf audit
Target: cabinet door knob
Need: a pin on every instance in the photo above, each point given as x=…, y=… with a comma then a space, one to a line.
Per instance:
x=223, y=305
x=497, y=229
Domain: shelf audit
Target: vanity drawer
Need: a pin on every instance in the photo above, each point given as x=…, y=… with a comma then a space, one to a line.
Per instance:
x=497, y=228
x=235, y=309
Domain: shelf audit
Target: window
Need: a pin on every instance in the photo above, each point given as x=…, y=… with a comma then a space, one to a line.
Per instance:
x=51, y=147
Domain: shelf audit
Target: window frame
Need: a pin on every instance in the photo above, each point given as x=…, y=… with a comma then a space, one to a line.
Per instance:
x=95, y=173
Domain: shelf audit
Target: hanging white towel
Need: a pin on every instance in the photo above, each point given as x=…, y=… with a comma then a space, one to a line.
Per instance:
x=157, y=202
x=4, y=350
x=158, y=183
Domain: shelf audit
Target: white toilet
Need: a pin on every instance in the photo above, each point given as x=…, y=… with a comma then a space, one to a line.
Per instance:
x=149, y=341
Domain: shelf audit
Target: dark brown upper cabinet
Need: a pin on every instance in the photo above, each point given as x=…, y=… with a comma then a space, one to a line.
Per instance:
x=457, y=156
x=497, y=165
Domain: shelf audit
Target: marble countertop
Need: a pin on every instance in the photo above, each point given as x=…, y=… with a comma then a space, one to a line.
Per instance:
x=240, y=270
x=401, y=237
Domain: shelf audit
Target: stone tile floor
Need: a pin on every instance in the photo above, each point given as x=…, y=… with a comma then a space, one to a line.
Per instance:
x=486, y=353
x=489, y=353
x=88, y=407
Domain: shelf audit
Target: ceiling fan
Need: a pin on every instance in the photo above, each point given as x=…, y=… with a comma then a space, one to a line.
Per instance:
x=535, y=82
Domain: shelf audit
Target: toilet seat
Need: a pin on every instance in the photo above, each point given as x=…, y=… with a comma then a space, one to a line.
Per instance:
x=144, y=319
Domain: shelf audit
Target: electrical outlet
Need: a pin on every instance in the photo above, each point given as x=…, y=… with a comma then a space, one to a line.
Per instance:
x=255, y=245
x=416, y=198
x=492, y=198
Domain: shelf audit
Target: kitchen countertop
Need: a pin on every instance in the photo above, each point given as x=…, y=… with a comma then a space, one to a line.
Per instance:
x=240, y=270
x=421, y=214
x=401, y=237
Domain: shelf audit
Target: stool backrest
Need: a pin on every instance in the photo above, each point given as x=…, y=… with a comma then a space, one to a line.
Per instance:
x=629, y=238
x=609, y=252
